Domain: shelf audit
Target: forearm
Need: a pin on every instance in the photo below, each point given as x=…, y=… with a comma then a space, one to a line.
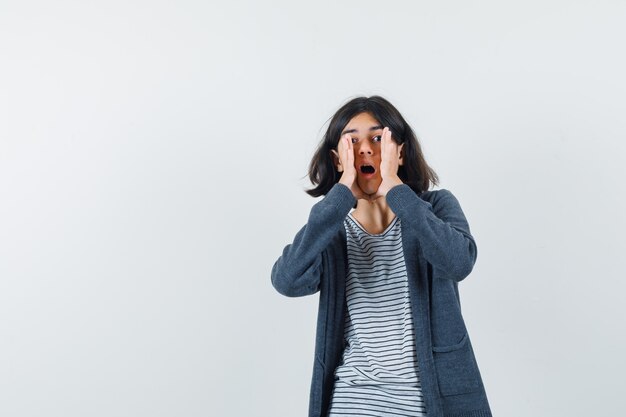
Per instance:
x=442, y=232
x=298, y=270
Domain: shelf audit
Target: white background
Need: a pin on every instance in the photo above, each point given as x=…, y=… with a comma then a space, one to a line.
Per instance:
x=152, y=165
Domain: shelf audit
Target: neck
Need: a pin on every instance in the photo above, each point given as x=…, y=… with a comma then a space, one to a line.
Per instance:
x=375, y=215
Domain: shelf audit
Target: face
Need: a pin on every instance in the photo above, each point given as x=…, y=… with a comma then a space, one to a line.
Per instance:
x=366, y=133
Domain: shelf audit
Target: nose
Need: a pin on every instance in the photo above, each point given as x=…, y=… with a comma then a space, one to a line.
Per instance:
x=365, y=148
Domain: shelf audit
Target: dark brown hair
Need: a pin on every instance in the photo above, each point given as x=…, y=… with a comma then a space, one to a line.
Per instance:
x=414, y=172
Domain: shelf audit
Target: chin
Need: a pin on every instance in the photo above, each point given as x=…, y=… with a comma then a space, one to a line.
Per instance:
x=369, y=188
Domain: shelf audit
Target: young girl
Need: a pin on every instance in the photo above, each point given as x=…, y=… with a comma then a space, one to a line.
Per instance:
x=390, y=339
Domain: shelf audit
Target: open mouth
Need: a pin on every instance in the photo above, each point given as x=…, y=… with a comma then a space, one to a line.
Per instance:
x=367, y=169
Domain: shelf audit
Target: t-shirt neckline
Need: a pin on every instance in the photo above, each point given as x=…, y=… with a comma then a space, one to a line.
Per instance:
x=387, y=229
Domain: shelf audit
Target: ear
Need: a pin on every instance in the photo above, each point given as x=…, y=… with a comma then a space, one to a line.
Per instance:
x=337, y=160
x=401, y=150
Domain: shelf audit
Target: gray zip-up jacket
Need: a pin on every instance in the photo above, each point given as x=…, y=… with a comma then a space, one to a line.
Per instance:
x=439, y=252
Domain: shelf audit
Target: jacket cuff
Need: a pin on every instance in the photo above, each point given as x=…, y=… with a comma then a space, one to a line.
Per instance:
x=340, y=197
x=398, y=195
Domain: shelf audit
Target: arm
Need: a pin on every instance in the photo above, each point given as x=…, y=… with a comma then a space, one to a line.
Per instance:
x=298, y=270
x=440, y=228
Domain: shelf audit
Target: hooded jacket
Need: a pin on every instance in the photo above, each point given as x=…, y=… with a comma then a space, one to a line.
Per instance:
x=439, y=252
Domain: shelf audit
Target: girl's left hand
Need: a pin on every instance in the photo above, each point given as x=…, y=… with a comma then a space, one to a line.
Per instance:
x=390, y=161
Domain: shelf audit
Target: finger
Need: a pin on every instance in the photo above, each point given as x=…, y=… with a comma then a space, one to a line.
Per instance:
x=388, y=145
x=390, y=140
x=344, y=147
x=383, y=142
x=391, y=143
x=350, y=151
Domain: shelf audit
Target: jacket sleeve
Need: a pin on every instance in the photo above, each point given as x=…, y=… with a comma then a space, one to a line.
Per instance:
x=440, y=228
x=298, y=270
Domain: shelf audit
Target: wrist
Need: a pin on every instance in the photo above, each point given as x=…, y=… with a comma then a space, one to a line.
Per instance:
x=346, y=181
x=389, y=183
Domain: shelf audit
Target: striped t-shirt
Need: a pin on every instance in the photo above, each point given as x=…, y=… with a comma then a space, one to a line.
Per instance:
x=379, y=374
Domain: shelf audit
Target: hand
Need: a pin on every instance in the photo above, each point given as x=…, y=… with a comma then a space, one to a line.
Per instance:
x=389, y=163
x=345, y=154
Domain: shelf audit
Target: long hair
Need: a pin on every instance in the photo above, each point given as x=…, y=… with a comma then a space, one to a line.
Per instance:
x=414, y=172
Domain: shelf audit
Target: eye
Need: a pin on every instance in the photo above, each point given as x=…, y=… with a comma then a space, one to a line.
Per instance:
x=355, y=140
x=377, y=138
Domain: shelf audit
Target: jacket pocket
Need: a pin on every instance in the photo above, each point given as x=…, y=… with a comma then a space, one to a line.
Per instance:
x=456, y=367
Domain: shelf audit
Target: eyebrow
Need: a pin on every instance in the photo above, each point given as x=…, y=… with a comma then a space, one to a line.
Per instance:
x=354, y=130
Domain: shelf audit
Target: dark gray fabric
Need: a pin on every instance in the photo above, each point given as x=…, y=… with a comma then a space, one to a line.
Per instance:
x=439, y=252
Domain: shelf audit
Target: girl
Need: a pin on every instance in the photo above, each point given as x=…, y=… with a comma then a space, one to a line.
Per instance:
x=390, y=338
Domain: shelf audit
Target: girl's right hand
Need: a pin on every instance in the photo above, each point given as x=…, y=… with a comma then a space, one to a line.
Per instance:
x=345, y=154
